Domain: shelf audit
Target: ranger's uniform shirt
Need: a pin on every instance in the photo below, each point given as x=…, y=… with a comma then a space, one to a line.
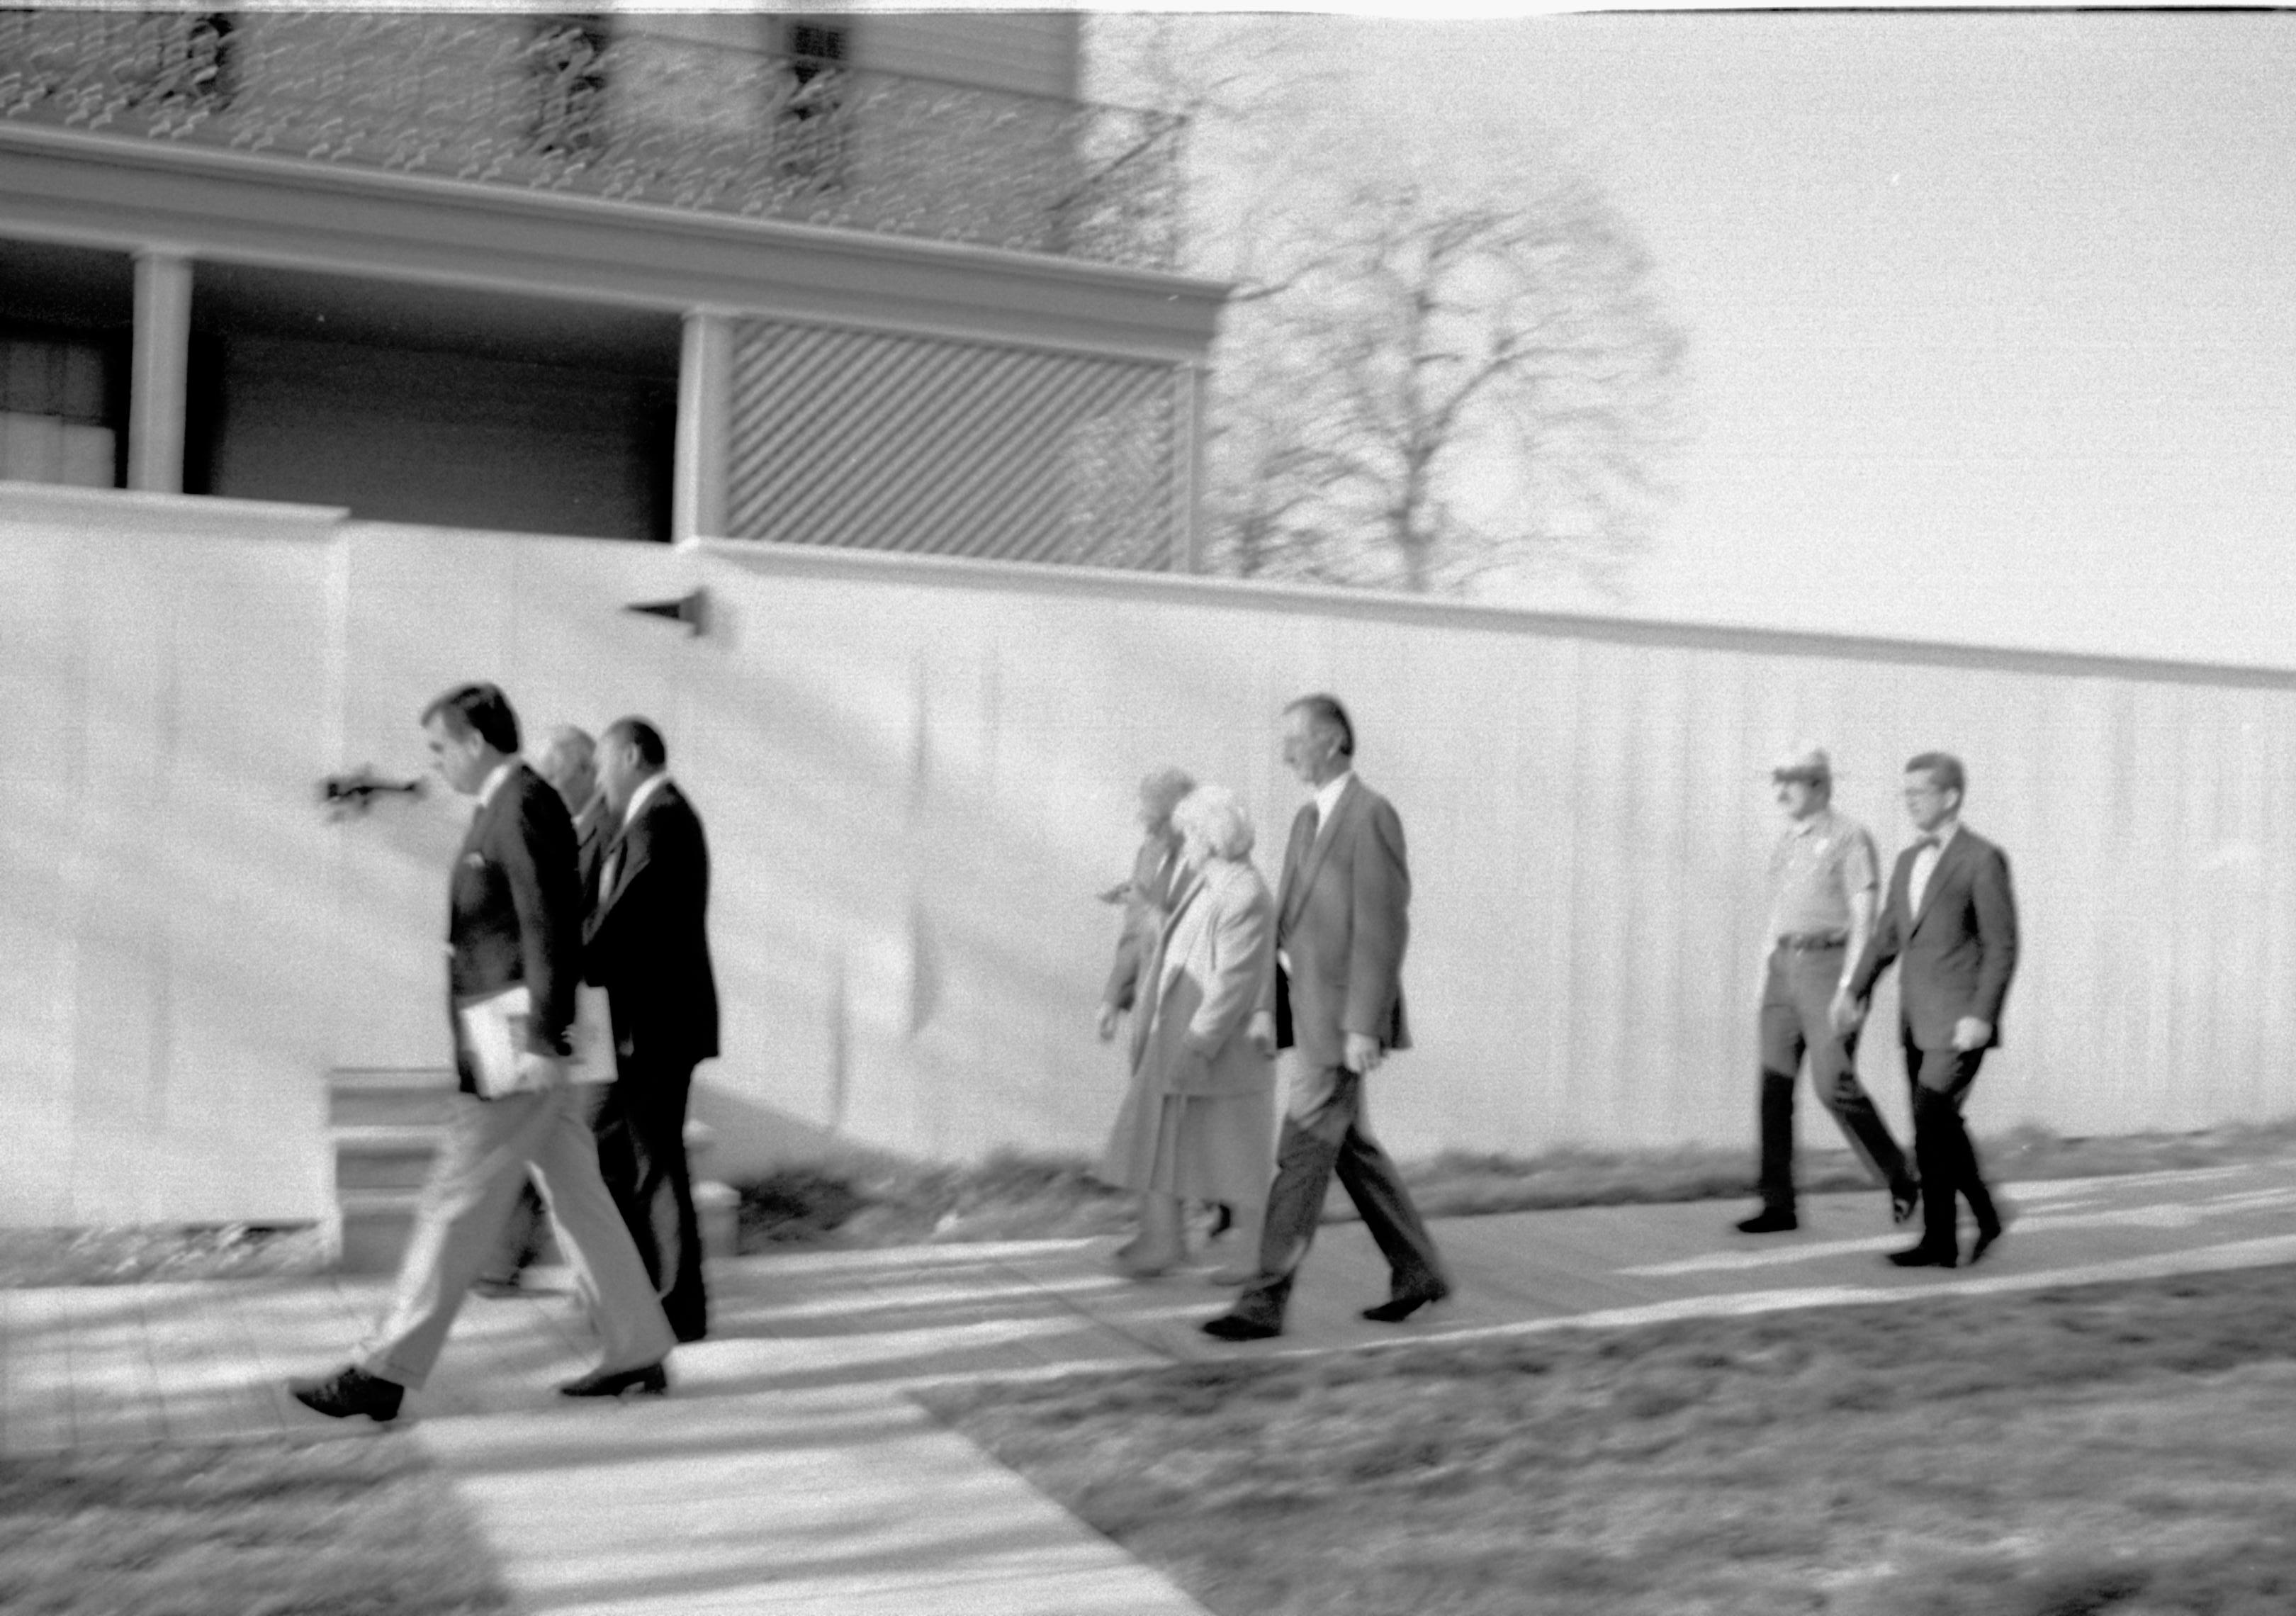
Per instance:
x=1820, y=863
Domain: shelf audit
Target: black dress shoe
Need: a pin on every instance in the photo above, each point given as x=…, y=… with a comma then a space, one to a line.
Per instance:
x=613, y=1383
x=1903, y=1202
x=1395, y=1310
x=349, y=1391
x=1236, y=1327
x=1769, y=1220
x=1984, y=1243
x=1924, y=1256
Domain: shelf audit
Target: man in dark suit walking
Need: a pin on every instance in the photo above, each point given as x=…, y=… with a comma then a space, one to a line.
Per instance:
x=569, y=763
x=648, y=946
x=1335, y=1002
x=1950, y=917
x=514, y=919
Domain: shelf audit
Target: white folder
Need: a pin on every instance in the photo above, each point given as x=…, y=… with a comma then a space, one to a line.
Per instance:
x=493, y=1032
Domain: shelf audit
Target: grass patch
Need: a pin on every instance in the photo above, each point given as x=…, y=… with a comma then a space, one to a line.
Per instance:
x=856, y=1198
x=863, y=1198
x=2104, y=1449
x=143, y=1254
x=343, y=1528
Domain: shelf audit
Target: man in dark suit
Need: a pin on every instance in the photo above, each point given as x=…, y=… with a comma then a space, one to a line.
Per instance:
x=569, y=763
x=648, y=946
x=513, y=919
x=1951, y=919
x=1335, y=1003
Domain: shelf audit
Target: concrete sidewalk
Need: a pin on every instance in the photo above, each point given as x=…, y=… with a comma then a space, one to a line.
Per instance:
x=787, y=1471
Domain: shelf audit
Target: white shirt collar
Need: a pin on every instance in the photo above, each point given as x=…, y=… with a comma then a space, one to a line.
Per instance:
x=1945, y=833
x=1328, y=796
x=639, y=798
x=494, y=780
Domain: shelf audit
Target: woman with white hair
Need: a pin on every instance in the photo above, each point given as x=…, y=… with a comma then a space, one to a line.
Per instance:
x=1198, y=1120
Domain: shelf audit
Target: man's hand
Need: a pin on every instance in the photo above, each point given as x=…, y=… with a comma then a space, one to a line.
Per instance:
x=541, y=1070
x=1109, y=1014
x=1847, y=1013
x=1363, y=1055
x=1262, y=1031
x=1972, y=1032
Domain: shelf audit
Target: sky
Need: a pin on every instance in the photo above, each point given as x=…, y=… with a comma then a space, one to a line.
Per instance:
x=1991, y=317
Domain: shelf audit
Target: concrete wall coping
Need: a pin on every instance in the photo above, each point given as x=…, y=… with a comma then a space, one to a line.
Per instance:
x=125, y=514
x=817, y=561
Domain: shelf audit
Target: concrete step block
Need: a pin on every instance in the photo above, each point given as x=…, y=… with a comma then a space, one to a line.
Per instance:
x=375, y=1226
x=717, y=1209
x=389, y=1097
x=384, y=1158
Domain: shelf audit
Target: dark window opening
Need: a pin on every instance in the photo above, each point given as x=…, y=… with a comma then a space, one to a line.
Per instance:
x=809, y=119
x=185, y=65
x=61, y=414
x=566, y=66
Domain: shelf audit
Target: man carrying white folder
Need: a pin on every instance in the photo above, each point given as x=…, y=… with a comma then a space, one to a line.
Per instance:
x=514, y=922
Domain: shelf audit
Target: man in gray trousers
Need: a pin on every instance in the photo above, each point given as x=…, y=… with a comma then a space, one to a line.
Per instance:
x=1336, y=1006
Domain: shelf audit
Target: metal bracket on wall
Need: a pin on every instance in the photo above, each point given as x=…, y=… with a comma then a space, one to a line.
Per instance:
x=691, y=609
x=347, y=796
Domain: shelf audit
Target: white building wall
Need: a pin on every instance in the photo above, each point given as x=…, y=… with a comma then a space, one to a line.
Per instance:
x=1033, y=52
x=168, y=675
x=917, y=773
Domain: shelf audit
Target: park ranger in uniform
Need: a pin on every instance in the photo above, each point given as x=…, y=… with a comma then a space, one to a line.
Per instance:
x=1823, y=878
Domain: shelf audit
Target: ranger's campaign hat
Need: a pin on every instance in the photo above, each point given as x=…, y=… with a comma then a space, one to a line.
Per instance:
x=1803, y=760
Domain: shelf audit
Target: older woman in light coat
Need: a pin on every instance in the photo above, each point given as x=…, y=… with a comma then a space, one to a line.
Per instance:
x=1198, y=1120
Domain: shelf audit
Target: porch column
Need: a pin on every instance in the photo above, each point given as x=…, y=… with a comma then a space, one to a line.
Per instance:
x=1187, y=554
x=705, y=407
x=158, y=371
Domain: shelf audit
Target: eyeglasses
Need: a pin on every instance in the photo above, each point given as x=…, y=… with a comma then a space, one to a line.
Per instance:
x=1796, y=777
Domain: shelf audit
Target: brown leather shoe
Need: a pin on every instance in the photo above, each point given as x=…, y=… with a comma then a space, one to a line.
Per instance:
x=1236, y=1327
x=349, y=1391
x=654, y=1379
x=1395, y=1310
x=1924, y=1256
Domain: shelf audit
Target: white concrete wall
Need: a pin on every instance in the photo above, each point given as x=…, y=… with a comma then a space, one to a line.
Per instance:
x=915, y=774
x=168, y=672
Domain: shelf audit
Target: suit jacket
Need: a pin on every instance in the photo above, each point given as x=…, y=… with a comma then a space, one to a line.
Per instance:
x=1203, y=982
x=647, y=942
x=1958, y=953
x=1157, y=876
x=594, y=829
x=1342, y=917
x=514, y=911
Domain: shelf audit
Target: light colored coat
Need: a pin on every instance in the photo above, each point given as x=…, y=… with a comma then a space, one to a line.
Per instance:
x=1207, y=973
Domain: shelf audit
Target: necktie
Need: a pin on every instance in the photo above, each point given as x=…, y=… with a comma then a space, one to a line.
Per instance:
x=1930, y=843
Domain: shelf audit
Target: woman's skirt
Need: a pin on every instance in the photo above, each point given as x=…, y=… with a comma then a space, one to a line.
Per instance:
x=1199, y=1147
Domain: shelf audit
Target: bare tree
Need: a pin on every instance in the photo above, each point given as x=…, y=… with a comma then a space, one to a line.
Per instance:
x=1423, y=379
